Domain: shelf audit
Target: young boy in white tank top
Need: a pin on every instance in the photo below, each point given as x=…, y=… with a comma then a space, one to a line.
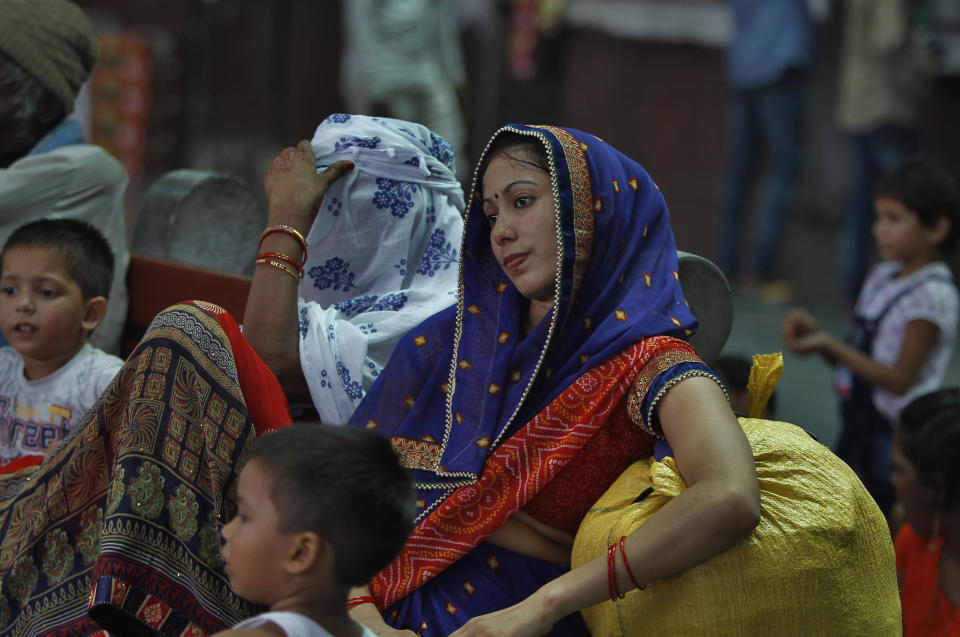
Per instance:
x=320, y=510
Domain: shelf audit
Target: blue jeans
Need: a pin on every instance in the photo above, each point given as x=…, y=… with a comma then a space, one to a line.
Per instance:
x=774, y=116
x=876, y=153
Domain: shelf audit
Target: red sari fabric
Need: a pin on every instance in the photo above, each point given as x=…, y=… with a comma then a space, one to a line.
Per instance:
x=523, y=466
x=262, y=392
x=926, y=610
x=565, y=500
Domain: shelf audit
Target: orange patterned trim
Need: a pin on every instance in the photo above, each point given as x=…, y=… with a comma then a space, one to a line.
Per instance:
x=583, y=205
x=668, y=352
x=416, y=454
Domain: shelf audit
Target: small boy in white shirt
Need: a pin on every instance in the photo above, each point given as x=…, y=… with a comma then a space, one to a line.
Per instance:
x=54, y=280
x=320, y=510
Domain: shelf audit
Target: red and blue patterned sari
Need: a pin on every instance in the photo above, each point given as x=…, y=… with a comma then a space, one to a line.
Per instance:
x=119, y=528
x=491, y=421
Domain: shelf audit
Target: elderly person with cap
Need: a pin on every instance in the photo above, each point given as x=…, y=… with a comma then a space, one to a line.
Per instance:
x=47, y=50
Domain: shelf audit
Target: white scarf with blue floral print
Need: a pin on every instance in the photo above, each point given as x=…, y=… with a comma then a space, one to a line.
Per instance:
x=383, y=253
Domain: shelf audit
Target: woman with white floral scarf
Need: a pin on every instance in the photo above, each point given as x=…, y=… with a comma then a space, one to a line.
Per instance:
x=382, y=255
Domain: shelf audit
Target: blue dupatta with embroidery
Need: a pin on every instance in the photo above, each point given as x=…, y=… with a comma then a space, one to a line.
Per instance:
x=465, y=379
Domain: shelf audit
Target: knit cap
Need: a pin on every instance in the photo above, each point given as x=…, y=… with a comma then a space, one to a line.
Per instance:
x=52, y=40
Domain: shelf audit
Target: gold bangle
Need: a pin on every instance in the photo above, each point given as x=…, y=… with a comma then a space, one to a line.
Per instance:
x=288, y=230
x=280, y=266
x=278, y=256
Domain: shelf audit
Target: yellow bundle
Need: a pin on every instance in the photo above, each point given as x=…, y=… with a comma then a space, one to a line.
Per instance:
x=764, y=375
x=820, y=562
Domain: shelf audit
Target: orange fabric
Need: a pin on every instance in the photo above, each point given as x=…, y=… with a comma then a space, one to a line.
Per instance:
x=926, y=610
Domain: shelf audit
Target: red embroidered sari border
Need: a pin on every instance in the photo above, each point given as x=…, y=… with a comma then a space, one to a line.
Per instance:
x=514, y=473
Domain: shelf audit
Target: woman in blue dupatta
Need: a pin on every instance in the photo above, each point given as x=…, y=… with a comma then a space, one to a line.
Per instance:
x=563, y=361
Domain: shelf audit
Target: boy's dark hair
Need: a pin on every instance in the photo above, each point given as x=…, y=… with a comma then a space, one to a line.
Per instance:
x=926, y=187
x=85, y=252
x=929, y=437
x=344, y=484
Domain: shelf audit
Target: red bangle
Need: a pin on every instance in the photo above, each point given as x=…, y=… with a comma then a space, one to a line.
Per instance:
x=612, y=573
x=288, y=230
x=356, y=601
x=279, y=256
x=626, y=564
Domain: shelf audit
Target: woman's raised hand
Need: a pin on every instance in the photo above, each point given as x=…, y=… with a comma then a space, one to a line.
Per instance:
x=295, y=189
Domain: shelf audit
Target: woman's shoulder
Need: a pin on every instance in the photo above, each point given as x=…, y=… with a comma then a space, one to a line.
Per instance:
x=666, y=361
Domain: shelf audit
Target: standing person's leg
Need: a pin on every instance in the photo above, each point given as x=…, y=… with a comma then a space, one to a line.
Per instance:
x=443, y=115
x=741, y=157
x=438, y=110
x=892, y=143
x=780, y=110
x=859, y=216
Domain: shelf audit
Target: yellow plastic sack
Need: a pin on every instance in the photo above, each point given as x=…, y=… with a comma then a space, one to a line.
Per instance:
x=764, y=375
x=820, y=562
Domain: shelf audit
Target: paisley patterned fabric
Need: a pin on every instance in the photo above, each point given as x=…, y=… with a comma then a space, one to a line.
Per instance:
x=484, y=415
x=120, y=527
x=383, y=252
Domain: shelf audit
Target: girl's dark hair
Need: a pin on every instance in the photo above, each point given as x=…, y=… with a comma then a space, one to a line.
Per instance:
x=929, y=437
x=525, y=149
x=926, y=187
x=85, y=252
x=346, y=485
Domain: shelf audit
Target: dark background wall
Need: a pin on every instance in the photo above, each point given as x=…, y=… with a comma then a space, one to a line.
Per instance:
x=237, y=80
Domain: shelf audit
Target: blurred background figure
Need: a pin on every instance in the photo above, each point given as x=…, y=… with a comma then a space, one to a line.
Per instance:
x=47, y=50
x=222, y=85
x=885, y=75
x=904, y=328
x=402, y=59
x=927, y=480
x=768, y=61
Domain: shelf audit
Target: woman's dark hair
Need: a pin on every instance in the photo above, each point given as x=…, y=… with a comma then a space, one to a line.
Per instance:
x=344, y=484
x=929, y=437
x=926, y=187
x=525, y=149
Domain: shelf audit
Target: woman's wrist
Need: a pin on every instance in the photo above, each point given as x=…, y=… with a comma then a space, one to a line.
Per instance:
x=368, y=615
x=553, y=601
x=289, y=215
x=283, y=244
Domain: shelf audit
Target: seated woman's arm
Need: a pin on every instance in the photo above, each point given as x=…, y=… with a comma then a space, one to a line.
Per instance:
x=720, y=506
x=270, y=322
x=367, y=615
